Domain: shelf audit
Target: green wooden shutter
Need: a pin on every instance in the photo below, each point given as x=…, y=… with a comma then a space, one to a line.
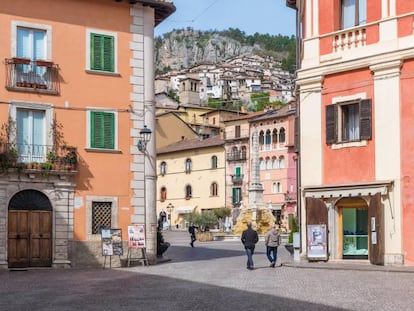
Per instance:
x=234, y=195
x=238, y=171
x=102, y=130
x=108, y=53
x=102, y=52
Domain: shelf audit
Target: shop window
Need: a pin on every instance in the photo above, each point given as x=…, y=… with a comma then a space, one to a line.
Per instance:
x=349, y=122
x=355, y=233
x=353, y=12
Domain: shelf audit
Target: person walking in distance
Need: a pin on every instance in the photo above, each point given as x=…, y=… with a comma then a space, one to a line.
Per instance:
x=192, y=230
x=249, y=239
x=272, y=241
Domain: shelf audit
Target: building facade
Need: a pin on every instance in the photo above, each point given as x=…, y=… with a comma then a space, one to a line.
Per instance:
x=190, y=178
x=77, y=92
x=355, y=99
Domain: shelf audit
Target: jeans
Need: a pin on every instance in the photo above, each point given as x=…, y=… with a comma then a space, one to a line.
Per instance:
x=269, y=251
x=249, y=253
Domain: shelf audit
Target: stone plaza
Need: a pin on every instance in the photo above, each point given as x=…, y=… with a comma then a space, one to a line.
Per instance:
x=211, y=276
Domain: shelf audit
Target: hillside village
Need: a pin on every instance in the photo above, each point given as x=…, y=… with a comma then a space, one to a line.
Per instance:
x=204, y=154
x=231, y=81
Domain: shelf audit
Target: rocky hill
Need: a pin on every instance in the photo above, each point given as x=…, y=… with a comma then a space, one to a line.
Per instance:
x=186, y=47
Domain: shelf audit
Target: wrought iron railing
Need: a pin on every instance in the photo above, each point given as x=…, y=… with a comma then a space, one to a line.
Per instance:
x=36, y=156
x=237, y=179
x=236, y=156
x=23, y=74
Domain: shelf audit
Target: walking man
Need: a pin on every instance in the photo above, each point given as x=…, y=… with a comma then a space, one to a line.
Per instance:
x=249, y=239
x=192, y=231
x=272, y=241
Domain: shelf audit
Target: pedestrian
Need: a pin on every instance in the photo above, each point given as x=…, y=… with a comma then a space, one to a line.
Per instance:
x=272, y=241
x=192, y=230
x=249, y=239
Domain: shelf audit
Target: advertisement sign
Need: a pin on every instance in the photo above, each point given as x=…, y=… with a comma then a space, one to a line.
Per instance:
x=136, y=236
x=317, y=243
x=111, y=242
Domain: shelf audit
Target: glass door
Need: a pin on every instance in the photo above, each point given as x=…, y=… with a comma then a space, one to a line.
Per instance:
x=355, y=233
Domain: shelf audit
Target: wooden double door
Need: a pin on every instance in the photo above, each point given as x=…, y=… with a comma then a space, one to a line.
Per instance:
x=29, y=238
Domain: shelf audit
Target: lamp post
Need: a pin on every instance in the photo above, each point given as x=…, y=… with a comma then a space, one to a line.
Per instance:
x=144, y=138
x=170, y=207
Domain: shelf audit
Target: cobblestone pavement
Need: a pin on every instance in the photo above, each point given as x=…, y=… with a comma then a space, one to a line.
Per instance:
x=210, y=276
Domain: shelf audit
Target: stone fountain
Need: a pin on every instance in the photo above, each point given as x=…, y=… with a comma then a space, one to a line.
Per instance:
x=256, y=211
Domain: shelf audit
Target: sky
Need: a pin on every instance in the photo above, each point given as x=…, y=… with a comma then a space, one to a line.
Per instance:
x=263, y=16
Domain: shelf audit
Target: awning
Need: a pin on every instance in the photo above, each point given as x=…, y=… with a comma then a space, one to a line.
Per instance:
x=349, y=190
x=184, y=209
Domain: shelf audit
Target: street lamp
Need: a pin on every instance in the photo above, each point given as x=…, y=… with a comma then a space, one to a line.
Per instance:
x=170, y=207
x=144, y=138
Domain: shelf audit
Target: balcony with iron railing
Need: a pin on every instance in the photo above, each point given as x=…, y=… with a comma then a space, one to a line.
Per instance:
x=23, y=74
x=37, y=157
x=236, y=156
x=237, y=179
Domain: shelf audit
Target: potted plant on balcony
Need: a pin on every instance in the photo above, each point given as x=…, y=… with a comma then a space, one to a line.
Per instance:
x=70, y=159
x=46, y=168
x=13, y=155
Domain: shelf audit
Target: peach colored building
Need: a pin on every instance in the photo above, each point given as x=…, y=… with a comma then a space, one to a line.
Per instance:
x=356, y=164
x=77, y=90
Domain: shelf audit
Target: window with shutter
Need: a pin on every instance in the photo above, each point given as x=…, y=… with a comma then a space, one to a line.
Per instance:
x=102, y=52
x=349, y=122
x=102, y=127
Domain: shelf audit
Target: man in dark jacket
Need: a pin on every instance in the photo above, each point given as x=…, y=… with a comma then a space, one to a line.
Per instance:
x=192, y=230
x=249, y=239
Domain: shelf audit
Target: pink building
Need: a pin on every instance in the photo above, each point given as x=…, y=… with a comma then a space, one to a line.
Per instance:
x=356, y=157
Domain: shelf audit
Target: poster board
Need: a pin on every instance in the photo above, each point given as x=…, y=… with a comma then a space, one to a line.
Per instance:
x=317, y=242
x=111, y=242
x=136, y=236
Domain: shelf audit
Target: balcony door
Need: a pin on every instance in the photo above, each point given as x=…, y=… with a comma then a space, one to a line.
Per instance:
x=31, y=136
x=31, y=44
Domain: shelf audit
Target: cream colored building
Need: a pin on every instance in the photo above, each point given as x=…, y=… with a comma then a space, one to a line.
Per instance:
x=191, y=178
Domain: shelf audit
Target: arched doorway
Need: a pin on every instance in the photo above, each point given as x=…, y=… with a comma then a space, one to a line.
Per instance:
x=30, y=230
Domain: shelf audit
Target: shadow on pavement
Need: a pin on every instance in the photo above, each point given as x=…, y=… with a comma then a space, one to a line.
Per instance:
x=125, y=290
x=183, y=253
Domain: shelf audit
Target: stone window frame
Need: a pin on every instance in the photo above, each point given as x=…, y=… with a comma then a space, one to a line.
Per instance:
x=114, y=214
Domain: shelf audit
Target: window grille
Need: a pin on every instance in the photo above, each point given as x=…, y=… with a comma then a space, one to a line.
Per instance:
x=101, y=216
